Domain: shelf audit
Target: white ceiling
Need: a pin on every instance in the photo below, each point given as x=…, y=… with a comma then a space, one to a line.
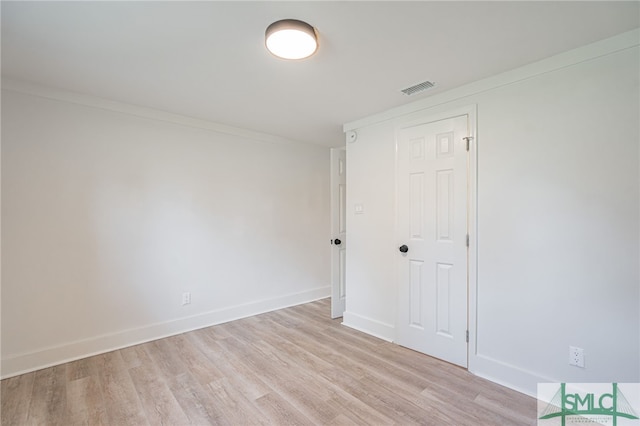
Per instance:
x=207, y=59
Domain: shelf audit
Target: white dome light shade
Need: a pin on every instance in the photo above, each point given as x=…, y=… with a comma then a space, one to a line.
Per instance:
x=291, y=39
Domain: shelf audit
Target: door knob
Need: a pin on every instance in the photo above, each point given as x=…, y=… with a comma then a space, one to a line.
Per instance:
x=403, y=248
x=337, y=242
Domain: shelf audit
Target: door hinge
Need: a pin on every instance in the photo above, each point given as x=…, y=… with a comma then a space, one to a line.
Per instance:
x=467, y=336
x=467, y=141
x=467, y=240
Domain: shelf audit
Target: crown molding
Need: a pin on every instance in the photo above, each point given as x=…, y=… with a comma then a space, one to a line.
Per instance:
x=624, y=41
x=62, y=95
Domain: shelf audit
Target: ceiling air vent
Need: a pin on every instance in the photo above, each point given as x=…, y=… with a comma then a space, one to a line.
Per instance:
x=418, y=88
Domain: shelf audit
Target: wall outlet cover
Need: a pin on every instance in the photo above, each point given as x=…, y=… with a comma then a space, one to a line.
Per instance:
x=576, y=356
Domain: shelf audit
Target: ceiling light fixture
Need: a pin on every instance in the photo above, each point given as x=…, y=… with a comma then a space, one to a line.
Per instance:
x=291, y=39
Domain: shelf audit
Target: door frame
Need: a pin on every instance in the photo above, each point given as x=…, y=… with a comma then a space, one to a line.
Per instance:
x=425, y=117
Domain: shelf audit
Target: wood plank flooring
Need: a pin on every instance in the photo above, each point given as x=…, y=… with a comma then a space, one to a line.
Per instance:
x=294, y=366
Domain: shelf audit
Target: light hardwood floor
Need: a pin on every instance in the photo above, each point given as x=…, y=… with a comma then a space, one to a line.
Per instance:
x=292, y=366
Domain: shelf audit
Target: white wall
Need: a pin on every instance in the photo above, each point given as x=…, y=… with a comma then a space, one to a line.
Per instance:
x=558, y=218
x=370, y=281
x=108, y=217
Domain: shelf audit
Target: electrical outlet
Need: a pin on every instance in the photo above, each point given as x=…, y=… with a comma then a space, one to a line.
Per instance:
x=186, y=298
x=576, y=356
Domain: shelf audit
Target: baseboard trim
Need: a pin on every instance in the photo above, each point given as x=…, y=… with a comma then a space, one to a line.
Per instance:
x=370, y=326
x=502, y=373
x=27, y=362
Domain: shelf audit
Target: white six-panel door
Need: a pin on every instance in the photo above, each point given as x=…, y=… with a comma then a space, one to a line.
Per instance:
x=432, y=163
x=338, y=230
